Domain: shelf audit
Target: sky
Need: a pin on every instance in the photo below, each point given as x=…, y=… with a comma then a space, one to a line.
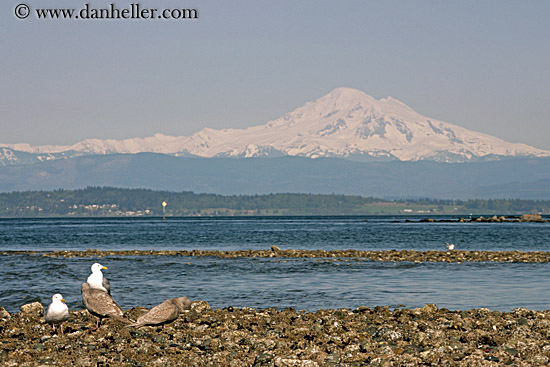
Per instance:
x=482, y=65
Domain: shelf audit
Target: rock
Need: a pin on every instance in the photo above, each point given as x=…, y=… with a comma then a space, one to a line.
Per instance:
x=388, y=334
x=263, y=358
x=275, y=248
x=200, y=306
x=34, y=309
x=530, y=218
x=4, y=314
x=512, y=351
x=523, y=321
x=539, y=360
x=429, y=308
x=294, y=362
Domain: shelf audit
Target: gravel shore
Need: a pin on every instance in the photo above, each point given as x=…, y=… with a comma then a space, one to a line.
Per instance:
x=269, y=337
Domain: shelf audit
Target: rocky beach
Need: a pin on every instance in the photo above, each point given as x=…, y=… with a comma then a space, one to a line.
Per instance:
x=231, y=336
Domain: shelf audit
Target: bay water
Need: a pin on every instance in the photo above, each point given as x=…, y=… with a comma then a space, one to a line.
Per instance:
x=308, y=284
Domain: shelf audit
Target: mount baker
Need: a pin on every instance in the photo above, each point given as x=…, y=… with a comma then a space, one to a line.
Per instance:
x=346, y=123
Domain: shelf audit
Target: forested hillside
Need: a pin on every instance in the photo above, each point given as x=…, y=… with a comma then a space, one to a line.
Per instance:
x=110, y=201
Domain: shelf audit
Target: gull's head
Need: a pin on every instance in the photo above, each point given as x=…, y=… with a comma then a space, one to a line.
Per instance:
x=58, y=297
x=97, y=267
x=182, y=303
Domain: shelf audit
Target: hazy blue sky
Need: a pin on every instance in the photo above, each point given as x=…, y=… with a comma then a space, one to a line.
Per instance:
x=484, y=65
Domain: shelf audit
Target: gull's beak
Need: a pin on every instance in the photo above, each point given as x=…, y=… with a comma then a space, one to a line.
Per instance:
x=63, y=300
x=103, y=267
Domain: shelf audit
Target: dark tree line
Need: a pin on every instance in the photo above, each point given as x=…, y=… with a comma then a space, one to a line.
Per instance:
x=63, y=202
x=105, y=201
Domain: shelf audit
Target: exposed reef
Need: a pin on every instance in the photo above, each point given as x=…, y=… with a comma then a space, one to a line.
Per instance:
x=378, y=336
x=494, y=219
x=454, y=256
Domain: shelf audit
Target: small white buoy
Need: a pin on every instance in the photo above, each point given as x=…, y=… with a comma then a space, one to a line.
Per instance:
x=164, y=203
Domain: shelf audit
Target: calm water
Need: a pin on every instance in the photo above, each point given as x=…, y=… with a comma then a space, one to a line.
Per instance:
x=300, y=283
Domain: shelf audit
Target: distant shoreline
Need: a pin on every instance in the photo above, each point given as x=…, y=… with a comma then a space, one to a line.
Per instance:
x=111, y=202
x=406, y=217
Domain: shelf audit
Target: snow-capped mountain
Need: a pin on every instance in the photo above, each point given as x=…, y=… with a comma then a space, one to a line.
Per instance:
x=345, y=123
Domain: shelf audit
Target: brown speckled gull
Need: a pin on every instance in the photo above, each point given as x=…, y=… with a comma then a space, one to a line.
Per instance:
x=164, y=313
x=101, y=304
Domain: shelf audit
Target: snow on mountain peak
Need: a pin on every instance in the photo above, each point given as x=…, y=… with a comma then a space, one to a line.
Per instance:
x=349, y=123
x=344, y=98
x=344, y=123
x=346, y=94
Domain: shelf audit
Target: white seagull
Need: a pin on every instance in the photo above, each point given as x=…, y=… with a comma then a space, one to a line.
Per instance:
x=96, y=280
x=450, y=246
x=57, y=311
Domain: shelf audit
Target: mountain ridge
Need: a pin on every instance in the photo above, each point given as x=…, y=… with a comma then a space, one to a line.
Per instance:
x=345, y=123
x=525, y=178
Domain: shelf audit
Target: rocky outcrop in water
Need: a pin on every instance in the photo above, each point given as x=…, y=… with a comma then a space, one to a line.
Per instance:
x=494, y=219
x=531, y=218
x=247, y=337
x=452, y=256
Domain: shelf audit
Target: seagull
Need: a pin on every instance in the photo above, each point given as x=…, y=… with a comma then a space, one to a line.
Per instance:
x=450, y=246
x=57, y=311
x=101, y=304
x=164, y=313
x=96, y=280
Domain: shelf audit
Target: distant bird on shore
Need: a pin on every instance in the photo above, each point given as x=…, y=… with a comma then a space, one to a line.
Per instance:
x=57, y=311
x=450, y=246
x=101, y=304
x=164, y=313
x=96, y=280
